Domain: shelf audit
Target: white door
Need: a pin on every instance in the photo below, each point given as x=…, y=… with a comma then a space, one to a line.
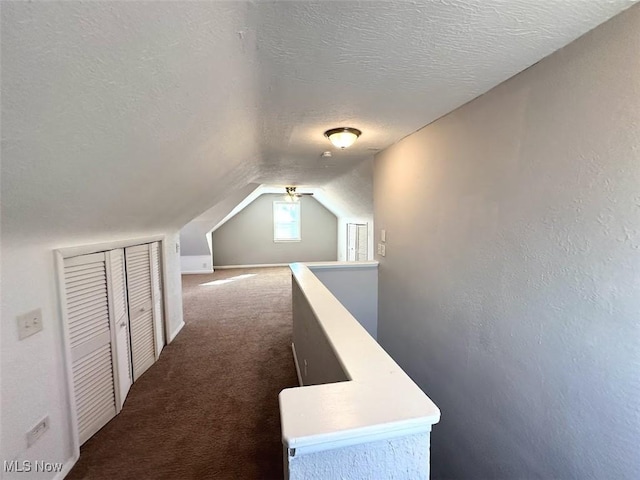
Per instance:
x=138, y=268
x=156, y=290
x=89, y=329
x=118, y=301
x=351, y=242
x=362, y=243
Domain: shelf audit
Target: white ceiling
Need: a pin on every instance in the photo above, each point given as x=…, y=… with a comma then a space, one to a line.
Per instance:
x=134, y=116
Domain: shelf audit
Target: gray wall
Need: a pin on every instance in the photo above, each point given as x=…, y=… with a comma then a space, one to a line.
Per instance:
x=247, y=239
x=510, y=290
x=356, y=287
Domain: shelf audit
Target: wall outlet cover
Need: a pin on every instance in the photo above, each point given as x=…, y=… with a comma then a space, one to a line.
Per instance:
x=36, y=432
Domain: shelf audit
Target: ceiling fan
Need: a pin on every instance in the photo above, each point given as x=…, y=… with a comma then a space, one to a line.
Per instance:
x=292, y=195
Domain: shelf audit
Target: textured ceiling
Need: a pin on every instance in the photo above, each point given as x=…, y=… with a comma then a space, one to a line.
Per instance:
x=135, y=116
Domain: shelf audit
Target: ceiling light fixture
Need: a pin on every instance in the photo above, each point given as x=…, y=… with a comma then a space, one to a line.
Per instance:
x=292, y=195
x=342, y=137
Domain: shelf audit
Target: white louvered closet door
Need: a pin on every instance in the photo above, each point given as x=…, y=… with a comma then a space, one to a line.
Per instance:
x=156, y=288
x=87, y=312
x=138, y=268
x=120, y=313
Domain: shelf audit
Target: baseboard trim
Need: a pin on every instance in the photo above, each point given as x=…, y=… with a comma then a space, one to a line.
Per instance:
x=176, y=332
x=260, y=265
x=196, y=272
x=295, y=360
x=66, y=468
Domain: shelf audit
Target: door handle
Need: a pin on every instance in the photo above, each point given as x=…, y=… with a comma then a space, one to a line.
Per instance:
x=142, y=309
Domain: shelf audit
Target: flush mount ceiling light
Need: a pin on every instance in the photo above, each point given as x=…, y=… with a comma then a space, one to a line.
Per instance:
x=342, y=137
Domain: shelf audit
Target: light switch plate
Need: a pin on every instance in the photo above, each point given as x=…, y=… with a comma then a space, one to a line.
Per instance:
x=29, y=323
x=383, y=235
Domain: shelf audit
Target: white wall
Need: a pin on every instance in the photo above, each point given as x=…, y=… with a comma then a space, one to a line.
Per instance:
x=510, y=288
x=247, y=238
x=195, y=236
x=33, y=370
x=351, y=199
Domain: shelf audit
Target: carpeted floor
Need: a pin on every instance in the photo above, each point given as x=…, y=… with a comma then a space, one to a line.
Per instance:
x=209, y=407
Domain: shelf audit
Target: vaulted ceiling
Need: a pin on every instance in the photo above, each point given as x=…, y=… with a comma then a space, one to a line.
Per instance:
x=138, y=116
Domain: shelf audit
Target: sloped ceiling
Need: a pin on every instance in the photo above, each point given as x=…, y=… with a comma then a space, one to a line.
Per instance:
x=139, y=116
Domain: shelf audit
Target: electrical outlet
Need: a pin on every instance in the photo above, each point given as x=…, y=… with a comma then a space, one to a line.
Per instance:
x=36, y=432
x=379, y=248
x=29, y=323
x=383, y=250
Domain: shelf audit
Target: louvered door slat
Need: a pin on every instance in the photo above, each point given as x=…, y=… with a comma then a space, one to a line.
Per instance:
x=118, y=290
x=88, y=370
x=103, y=413
x=89, y=290
x=98, y=315
x=89, y=335
x=138, y=273
x=94, y=391
x=142, y=343
x=86, y=303
x=73, y=274
x=140, y=295
x=86, y=315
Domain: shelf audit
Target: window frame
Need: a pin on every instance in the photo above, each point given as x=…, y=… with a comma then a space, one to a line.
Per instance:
x=275, y=222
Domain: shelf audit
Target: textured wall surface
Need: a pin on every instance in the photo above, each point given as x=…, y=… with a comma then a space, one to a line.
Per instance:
x=126, y=116
x=316, y=357
x=510, y=288
x=193, y=236
x=126, y=119
x=247, y=239
x=404, y=458
x=357, y=289
x=34, y=380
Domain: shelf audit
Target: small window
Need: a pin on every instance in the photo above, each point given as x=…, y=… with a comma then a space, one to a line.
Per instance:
x=286, y=222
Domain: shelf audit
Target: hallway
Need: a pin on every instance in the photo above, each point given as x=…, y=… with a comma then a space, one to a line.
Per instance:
x=209, y=407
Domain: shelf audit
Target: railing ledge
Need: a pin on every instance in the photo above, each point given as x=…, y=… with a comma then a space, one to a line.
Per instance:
x=379, y=400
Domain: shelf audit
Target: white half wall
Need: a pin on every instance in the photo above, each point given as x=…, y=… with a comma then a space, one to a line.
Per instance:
x=395, y=458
